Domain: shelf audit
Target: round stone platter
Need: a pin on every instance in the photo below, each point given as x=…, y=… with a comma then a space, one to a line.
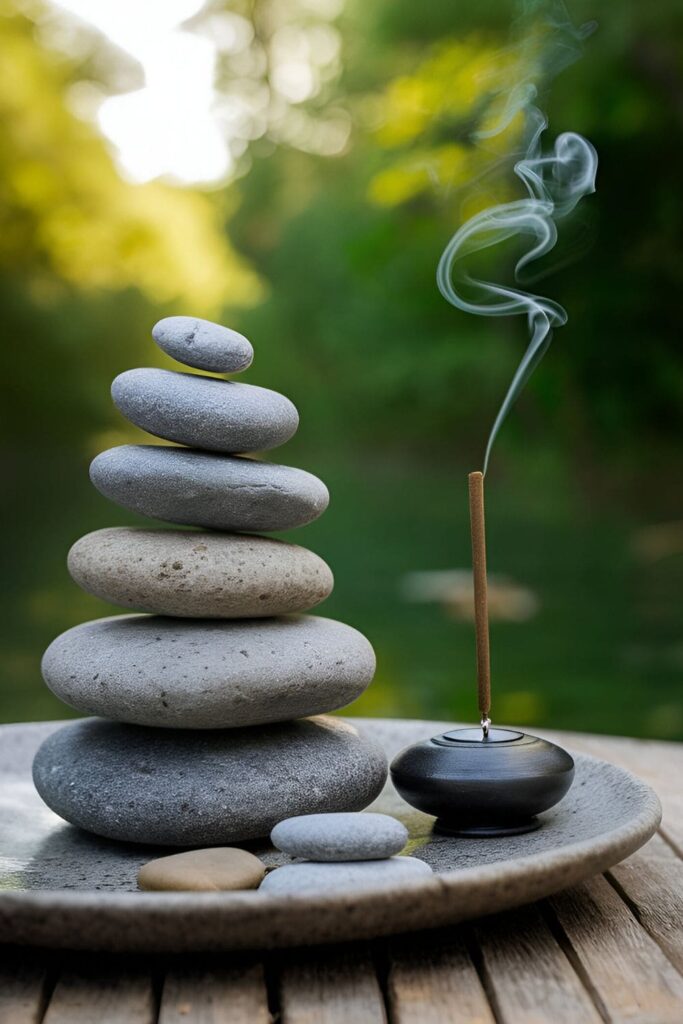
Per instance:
x=61, y=887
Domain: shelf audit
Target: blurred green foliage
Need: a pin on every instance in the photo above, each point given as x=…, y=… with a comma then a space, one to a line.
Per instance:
x=327, y=263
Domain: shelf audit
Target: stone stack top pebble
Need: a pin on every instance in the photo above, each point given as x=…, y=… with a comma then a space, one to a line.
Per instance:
x=202, y=344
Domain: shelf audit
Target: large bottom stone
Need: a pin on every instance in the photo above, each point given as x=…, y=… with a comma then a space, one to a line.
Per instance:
x=203, y=788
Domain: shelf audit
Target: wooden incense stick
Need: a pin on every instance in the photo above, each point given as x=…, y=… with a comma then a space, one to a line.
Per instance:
x=481, y=604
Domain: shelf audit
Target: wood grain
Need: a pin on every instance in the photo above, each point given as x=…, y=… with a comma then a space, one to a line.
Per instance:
x=336, y=986
x=23, y=988
x=221, y=995
x=528, y=977
x=651, y=882
x=432, y=980
x=627, y=973
x=108, y=996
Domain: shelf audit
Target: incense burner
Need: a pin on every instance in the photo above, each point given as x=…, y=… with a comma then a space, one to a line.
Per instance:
x=483, y=783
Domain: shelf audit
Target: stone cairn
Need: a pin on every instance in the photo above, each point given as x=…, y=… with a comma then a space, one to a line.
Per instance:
x=204, y=735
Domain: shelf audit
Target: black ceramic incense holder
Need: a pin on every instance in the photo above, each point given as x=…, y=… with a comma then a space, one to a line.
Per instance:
x=483, y=781
x=481, y=786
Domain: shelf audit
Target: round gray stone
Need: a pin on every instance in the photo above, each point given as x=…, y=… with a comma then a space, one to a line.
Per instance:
x=340, y=837
x=198, y=574
x=312, y=878
x=202, y=344
x=208, y=674
x=222, y=492
x=204, y=788
x=205, y=412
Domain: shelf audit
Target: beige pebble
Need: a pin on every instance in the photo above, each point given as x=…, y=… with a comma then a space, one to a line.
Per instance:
x=196, y=574
x=217, y=869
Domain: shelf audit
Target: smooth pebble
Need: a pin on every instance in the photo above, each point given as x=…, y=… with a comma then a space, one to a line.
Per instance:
x=221, y=492
x=217, y=869
x=204, y=788
x=203, y=412
x=208, y=674
x=311, y=878
x=199, y=574
x=340, y=837
x=203, y=344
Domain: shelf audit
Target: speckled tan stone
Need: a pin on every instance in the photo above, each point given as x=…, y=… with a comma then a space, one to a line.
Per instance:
x=196, y=574
x=218, y=869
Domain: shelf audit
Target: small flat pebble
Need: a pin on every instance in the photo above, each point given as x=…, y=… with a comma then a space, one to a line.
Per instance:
x=217, y=869
x=202, y=344
x=204, y=788
x=197, y=574
x=203, y=412
x=221, y=492
x=208, y=674
x=311, y=878
x=340, y=837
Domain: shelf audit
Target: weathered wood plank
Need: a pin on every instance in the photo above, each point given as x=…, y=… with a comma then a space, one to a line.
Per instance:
x=651, y=882
x=527, y=975
x=432, y=980
x=627, y=973
x=336, y=986
x=232, y=995
x=23, y=989
x=113, y=994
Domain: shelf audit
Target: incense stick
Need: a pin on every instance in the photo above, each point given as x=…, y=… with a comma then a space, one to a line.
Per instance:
x=481, y=605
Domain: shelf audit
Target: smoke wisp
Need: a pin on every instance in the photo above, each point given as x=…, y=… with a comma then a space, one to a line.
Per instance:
x=555, y=181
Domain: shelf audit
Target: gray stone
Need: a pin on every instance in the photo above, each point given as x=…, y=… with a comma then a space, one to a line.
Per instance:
x=202, y=344
x=340, y=837
x=222, y=492
x=310, y=878
x=203, y=788
x=208, y=674
x=199, y=574
x=204, y=412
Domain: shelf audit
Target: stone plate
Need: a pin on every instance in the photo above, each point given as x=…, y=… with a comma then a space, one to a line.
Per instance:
x=61, y=887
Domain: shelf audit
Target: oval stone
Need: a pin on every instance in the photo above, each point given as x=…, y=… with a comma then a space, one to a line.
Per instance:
x=202, y=344
x=208, y=674
x=340, y=837
x=314, y=878
x=218, y=869
x=204, y=412
x=222, y=492
x=198, y=574
x=201, y=788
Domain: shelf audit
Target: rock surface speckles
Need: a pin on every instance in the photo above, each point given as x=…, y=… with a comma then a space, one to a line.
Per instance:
x=208, y=674
x=203, y=788
x=199, y=574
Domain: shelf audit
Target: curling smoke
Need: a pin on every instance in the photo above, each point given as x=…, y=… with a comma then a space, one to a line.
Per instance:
x=555, y=182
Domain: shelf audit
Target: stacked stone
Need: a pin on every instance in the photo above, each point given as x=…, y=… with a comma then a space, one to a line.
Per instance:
x=205, y=736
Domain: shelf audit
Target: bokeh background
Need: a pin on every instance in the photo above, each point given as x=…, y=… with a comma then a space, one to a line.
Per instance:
x=294, y=168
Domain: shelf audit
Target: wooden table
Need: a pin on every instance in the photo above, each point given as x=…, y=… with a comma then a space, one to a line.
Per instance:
x=610, y=949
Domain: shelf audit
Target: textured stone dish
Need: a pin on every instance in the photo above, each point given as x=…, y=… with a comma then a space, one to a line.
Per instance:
x=208, y=787
x=195, y=574
x=208, y=674
x=222, y=492
x=61, y=887
x=204, y=412
x=203, y=344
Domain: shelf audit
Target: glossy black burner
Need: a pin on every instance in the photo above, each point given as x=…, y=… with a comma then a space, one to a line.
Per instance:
x=483, y=786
